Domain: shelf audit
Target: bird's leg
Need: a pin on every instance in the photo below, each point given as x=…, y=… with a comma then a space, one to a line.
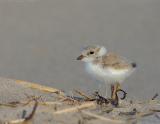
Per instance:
x=112, y=91
x=114, y=88
x=106, y=94
x=118, y=86
x=107, y=88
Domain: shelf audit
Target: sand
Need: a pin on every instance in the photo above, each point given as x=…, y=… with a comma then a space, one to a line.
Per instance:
x=54, y=107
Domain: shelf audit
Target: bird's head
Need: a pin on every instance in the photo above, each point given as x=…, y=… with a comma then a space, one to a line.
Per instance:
x=90, y=53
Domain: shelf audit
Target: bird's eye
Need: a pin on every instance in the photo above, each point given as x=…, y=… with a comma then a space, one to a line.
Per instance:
x=91, y=52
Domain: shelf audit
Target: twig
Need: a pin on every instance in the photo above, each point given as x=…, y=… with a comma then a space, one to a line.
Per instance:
x=155, y=110
x=140, y=115
x=155, y=96
x=50, y=103
x=8, y=105
x=133, y=112
x=25, y=119
x=23, y=103
x=33, y=111
x=40, y=87
x=83, y=94
x=103, y=118
x=18, y=121
x=145, y=114
x=76, y=108
x=70, y=100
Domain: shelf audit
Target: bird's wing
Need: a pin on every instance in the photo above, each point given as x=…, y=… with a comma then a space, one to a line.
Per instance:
x=115, y=61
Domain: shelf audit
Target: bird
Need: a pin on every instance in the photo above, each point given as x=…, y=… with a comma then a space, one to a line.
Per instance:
x=106, y=66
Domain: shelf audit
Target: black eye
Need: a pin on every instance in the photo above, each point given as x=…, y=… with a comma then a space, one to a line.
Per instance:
x=91, y=52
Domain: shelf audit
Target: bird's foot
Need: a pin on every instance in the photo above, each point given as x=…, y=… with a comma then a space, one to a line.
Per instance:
x=114, y=94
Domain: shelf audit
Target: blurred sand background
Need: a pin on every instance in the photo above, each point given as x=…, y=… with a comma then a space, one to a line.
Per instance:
x=40, y=39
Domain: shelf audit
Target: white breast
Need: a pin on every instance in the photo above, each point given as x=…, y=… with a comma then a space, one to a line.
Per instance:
x=109, y=75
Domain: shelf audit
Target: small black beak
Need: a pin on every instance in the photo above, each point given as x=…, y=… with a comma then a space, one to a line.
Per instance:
x=80, y=57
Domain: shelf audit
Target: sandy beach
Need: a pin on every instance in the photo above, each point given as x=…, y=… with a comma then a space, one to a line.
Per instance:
x=23, y=102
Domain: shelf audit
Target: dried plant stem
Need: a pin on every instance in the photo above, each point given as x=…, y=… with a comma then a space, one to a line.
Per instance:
x=145, y=114
x=83, y=94
x=39, y=87
x=155, y=110
x=109, y=120
x=155, y=96
x=18, y=121
x=50, y=103
x=76, y=108
x=26, y=119
x=141, y=115
x=33, y=111
x=7, y=105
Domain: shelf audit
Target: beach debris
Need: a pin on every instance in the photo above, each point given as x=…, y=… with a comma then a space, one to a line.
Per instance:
x=100, y=99
x=40, y=87
x=155, y=96
x=86, y=97
x=131, y=113
x=109, y=120
x=118, y=111
x=25, y=120
x=76, y=108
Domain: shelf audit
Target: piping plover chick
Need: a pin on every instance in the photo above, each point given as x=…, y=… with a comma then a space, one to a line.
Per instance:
x=106, y=66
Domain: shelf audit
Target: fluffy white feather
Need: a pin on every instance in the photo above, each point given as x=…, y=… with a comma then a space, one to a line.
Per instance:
x=109, y=75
